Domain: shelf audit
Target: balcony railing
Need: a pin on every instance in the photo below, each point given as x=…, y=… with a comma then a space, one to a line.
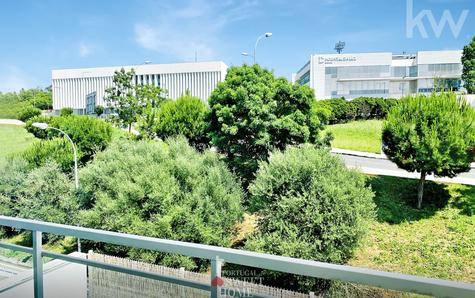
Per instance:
x=218, y=255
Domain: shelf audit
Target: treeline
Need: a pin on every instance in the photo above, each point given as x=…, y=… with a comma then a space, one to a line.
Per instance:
x=25, y=104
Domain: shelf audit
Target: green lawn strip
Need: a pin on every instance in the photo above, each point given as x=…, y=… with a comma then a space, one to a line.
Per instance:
x=13, y=139
x=437, y=241
x=63, y=245
x=357, y=135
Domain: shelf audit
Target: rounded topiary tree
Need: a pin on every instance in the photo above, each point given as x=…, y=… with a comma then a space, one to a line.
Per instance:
x=309, y=206
x=252, y=113
x=432, y=134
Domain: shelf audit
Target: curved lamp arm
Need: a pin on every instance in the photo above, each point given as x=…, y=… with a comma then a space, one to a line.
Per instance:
x=76, y=180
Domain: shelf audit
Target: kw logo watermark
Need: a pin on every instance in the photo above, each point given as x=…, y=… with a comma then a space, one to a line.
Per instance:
x=413, y=22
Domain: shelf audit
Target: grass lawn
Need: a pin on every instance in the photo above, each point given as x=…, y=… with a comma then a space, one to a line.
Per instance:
x=13, y=139
x=357, y=135
x=437, y=241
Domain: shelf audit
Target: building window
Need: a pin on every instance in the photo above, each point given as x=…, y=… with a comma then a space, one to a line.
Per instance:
x=90, y=103
x=304, y=79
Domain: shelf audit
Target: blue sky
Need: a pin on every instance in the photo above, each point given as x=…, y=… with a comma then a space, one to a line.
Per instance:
x=38, y=36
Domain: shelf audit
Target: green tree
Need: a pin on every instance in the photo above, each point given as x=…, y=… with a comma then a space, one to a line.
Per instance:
x=309, y=206
x=28, y=112
x=432, y=134
x=121, y=98
x=185, y=116
x=149, y=97
x=468, y=61
x=252, y=113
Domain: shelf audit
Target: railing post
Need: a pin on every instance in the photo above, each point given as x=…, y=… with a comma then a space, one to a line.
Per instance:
x=216, y=281
x=37, y=264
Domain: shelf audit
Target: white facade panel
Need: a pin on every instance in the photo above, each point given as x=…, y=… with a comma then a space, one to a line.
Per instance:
x=380, y=74
x=71, y=86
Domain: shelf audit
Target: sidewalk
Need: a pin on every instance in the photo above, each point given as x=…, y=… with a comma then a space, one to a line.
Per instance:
x=12, y=122
x=368, y=154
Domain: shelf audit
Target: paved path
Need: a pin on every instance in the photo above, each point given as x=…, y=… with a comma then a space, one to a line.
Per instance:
x=381, y=166
x=11, y=122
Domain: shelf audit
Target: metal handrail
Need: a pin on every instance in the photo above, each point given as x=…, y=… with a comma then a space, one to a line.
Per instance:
x=388, y=280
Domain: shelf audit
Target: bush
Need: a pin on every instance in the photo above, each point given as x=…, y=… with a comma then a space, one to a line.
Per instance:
x=310, y=206
x=58, y=150
x=160, y=189
x=99, y=110
x=252, y=113
x=42, y=100
x=431, y=135
x=185, y=116
x=48, y=195
x=38, y=132
x=28, y=112
x=89, y=134
x=66, y=111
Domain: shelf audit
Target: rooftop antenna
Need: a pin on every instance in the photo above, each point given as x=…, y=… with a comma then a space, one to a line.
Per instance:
x=339, y=46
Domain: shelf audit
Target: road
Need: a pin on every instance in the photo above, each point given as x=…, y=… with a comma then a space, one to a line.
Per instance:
x=379, y=166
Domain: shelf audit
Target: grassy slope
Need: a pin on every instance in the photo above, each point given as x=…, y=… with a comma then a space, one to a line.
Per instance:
x=436, y=241
x=13, y=139
x=357, y=135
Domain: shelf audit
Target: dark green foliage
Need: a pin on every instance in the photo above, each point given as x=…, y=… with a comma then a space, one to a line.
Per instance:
x=99, y=110
x=310, y=206
x=66, y=112
x=185, y=116
x=431, y=135
x=252, y=113
x=58, y=150
x=361, y=108
x=161, y=189
x=468, y=61
x=28, y=112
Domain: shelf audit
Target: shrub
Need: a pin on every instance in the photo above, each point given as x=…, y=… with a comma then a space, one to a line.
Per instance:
x=185, y=116
x=161, y=189
x=37, y=132
x=66, y=111
x=252, y=113
x=28, y=112
x=48, y=195
x=431, y=135
x=58, y=149
x=361, y=108
x=311, y=207
x=42, y=100
x=99, y=110
x=89, y=134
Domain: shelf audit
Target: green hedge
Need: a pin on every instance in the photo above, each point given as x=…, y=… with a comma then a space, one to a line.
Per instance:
x=361, y=108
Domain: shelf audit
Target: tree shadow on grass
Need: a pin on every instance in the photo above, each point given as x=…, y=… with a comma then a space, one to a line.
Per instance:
x=396, y=199
x=464, y=199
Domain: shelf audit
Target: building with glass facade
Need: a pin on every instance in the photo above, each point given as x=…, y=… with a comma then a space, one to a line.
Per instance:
x=380, y=74
x=83, y=89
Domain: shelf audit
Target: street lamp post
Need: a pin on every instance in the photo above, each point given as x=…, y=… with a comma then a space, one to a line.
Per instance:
x=45, y=126
x=265, y=35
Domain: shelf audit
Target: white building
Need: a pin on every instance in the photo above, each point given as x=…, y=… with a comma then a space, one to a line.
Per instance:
x=380, y=74
x=84, y=88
